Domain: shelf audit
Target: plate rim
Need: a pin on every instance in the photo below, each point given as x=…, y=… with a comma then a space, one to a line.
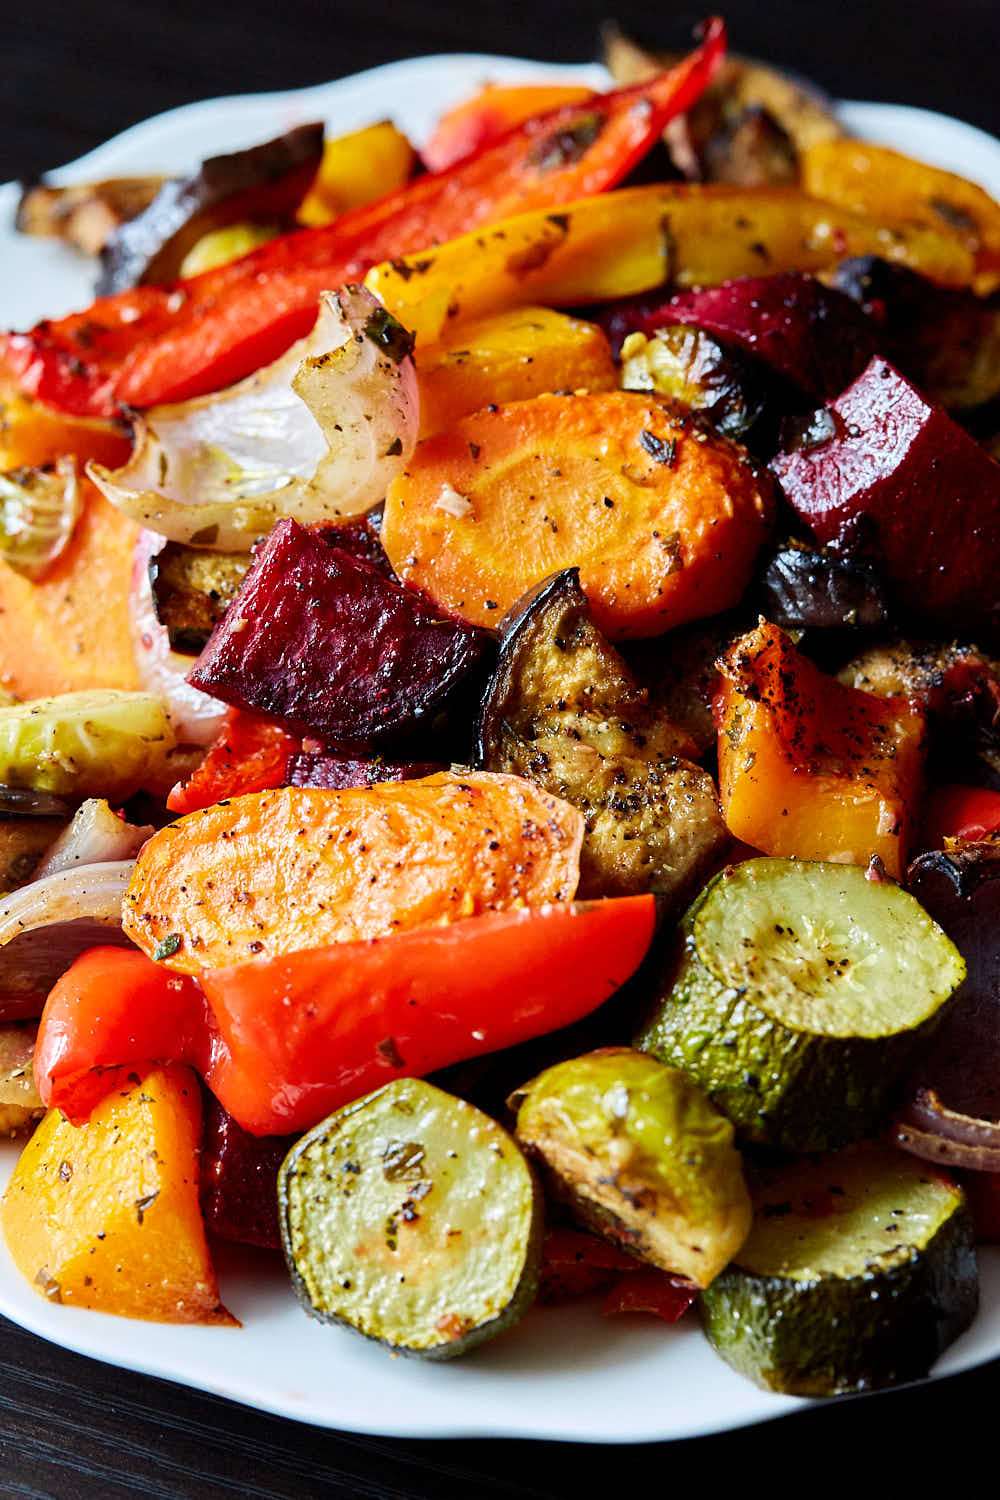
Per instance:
x=87, y=1333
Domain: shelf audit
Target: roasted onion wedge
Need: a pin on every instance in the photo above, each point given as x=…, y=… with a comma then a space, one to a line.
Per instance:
x=317, y=436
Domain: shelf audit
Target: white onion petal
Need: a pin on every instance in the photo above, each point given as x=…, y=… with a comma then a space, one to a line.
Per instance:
x=195, y=717
x=95, y=836
x=317, y=435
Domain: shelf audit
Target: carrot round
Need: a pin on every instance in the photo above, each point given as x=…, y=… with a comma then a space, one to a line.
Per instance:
x=276, y=871
x=663, y=520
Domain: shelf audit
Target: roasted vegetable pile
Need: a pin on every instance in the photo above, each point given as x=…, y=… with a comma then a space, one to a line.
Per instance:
x=499, y=758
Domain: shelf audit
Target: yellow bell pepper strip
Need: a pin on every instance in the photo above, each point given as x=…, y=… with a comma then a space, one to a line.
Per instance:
x=630, y=241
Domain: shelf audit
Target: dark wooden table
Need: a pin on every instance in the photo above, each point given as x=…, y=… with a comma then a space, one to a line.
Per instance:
x=74, y=74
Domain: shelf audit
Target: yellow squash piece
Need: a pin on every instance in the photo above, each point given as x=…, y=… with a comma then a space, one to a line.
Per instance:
x=356, y=169
x=510, y=357
x=106, y=1215
x=809, y=768
x=875, y=180
x=631, y=241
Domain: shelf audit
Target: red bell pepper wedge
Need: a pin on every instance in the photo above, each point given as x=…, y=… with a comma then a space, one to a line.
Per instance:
x=282, y=1042
x=250, y=754
x=657, y=1292
x=156, y=344
x=960, y=812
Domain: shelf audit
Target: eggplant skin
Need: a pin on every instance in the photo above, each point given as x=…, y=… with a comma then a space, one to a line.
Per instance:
x=803, y=588
x=264, y=182
x=564, y=710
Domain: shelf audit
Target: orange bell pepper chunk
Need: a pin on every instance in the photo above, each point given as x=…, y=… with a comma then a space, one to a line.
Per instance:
x=809, y=768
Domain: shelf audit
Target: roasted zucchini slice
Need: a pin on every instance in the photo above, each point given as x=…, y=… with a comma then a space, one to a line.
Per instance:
x=799, y=993
x=412, y=1218
x=641, y=1156
x=102, y=743
x=564, y=711
x=858, y=1272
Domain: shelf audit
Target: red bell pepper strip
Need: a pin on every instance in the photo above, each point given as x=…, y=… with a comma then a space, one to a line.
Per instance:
x=156, y=344
x=960, y=812
x=250, y=754
x=283, y=1041
x=657, y=1292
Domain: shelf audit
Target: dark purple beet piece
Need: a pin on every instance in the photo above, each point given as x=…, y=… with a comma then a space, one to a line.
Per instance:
x=360, y=537
x=814, y=337
x=239, y=1179
x=321, y=641
x=335, y=772
x=887, y=467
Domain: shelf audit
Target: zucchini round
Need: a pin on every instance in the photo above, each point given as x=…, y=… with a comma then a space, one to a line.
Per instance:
x=641, y=1157
x=101, y=743
x=412, y=1218
x=859, y=1271
x=800, y=993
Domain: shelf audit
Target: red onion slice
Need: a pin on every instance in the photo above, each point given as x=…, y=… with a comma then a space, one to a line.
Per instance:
x=47, y=924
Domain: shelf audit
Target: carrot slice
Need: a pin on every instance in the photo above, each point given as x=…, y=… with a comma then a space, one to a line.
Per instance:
x=663, y=520
x=299, y=867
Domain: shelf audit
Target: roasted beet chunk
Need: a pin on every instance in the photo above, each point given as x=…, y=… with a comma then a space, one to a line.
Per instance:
x=815, y=338
x=335, y=772
x=890, y=473
x=239, y=1179
x=320, y=640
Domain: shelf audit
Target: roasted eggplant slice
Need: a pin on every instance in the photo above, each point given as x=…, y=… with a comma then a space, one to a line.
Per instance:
x=192, y=590
x=749, y=125
x=86, y=214
x=264, y=182
x=564, y=710
x=952, y=1113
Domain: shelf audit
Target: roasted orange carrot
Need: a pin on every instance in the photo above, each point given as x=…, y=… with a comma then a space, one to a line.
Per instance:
x=510, y=357
x=69, y=631
x=300, y=867
x=662, y=519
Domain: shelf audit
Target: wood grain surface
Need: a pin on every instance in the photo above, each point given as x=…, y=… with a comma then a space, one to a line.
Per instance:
x=72, y=1429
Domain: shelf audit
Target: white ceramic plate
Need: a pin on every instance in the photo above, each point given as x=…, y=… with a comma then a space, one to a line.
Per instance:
x=564, y=1373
